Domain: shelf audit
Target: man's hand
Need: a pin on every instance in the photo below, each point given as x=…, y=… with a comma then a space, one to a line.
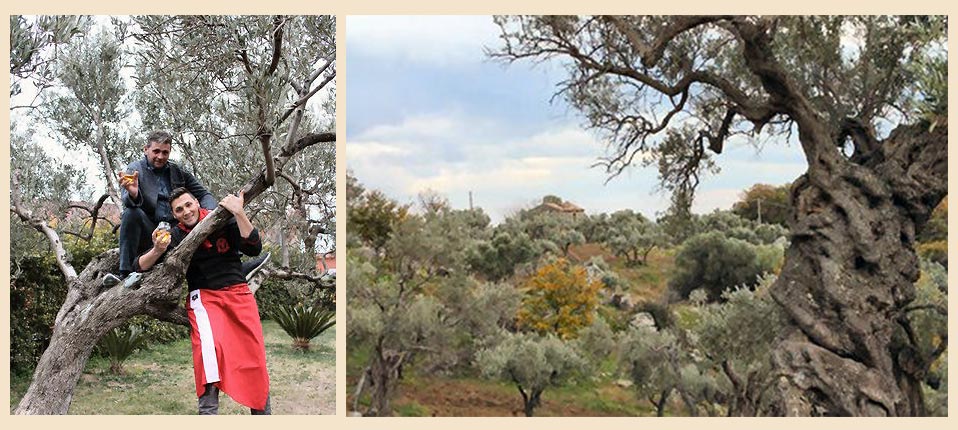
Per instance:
x=233, y=203
x=161, y=240
x=131, y=182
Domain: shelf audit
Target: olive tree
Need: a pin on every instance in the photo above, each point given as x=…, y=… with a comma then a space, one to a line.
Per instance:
x=715, y=263
x=632, y=236
x=531, y=362
x=409, y=298
x=256, y=93
x=659, y=364
x=735, y=337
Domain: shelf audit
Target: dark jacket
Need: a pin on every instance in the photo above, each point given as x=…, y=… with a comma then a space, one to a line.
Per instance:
x=150, y=186
x=216, y=263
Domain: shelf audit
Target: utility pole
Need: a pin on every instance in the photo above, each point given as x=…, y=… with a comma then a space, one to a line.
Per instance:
x=759, y=210
x=470, y=200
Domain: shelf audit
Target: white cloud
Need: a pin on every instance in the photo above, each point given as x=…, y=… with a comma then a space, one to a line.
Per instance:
x=756, y=170
x=510, y=173
x=373, y=149
x=419, y=126
x=453, y=154
x=434, y=40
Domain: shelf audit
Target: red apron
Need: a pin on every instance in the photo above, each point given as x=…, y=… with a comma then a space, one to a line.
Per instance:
x=228, y=347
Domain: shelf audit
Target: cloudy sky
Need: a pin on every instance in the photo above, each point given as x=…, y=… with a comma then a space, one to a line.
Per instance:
x=426, y=109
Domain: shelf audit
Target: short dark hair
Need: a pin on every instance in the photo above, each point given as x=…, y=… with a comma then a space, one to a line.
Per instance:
x=159, y=137
x=177, y=193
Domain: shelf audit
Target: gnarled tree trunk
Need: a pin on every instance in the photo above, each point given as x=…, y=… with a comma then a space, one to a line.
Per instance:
x=384, y=376
x=88, y=313
x=849, y=274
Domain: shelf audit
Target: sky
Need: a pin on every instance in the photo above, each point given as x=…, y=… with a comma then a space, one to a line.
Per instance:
x=428, y=110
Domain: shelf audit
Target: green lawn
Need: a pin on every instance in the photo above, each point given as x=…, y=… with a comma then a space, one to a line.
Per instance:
x=160, y=380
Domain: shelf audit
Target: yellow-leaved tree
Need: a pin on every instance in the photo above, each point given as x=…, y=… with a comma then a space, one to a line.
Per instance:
x=558, y=298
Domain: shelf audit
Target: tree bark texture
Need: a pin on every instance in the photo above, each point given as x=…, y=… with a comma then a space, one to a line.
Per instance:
x=90, y=311
x=850, y=272
x=531, y=402
x=384, y=375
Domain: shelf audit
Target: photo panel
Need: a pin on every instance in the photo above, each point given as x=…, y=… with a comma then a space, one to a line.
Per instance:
x=173, y=214
x=595, y=216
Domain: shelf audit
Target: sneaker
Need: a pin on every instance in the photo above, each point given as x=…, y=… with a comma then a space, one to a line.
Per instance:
x=133, y=280
x=252, y=266
x=110, y=280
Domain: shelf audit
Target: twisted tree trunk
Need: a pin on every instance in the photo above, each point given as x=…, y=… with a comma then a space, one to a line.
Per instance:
x=849, y=274
x=90, y=311
x=384, y=375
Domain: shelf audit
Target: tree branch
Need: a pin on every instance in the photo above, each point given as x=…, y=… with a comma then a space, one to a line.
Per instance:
x=652, y=53
x=56, y=245
x=863, y=137
x=94, y=214
x=278, y=24
x=270, y=171
x=286, y=274
x=244, y=58
x=302, y=100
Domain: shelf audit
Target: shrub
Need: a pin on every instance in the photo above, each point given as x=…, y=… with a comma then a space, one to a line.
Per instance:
x=303, y=323
x=936, y=229
x=273, y=295
x=119, y=344
x=716, y=263
x=617, y=319
x=660, y=313
x=37, y=290
x=936, y=251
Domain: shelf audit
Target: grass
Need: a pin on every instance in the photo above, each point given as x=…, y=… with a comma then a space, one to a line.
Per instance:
x=159, y=380
x=422, y=395
x=647, y=282
x=650, y=281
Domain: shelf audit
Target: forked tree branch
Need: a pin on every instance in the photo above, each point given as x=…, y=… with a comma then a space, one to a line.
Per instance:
x=27, y=216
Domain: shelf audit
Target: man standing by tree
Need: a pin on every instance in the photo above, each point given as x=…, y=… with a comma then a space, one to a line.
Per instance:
x=229, y=353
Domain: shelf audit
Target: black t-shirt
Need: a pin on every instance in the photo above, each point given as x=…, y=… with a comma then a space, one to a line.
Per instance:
x=216, y=263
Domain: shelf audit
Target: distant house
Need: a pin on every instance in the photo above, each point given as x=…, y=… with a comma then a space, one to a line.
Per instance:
x=330, y=258
x=555, y=204
x=75, y=217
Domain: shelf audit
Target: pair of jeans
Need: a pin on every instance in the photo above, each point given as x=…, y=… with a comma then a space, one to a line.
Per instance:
x=136, y=231
x=209, y=403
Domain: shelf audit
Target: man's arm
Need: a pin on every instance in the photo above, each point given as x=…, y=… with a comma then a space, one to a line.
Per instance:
x=234, y=204
x=130, y=189
x=161, y=242
x=198, y=190
x=249, y=242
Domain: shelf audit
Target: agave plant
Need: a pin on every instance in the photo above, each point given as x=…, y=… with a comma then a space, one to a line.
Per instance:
x=303, y=323
x=119, y=344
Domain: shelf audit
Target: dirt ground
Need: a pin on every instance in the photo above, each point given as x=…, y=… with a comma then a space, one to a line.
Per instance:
x=442, y=397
